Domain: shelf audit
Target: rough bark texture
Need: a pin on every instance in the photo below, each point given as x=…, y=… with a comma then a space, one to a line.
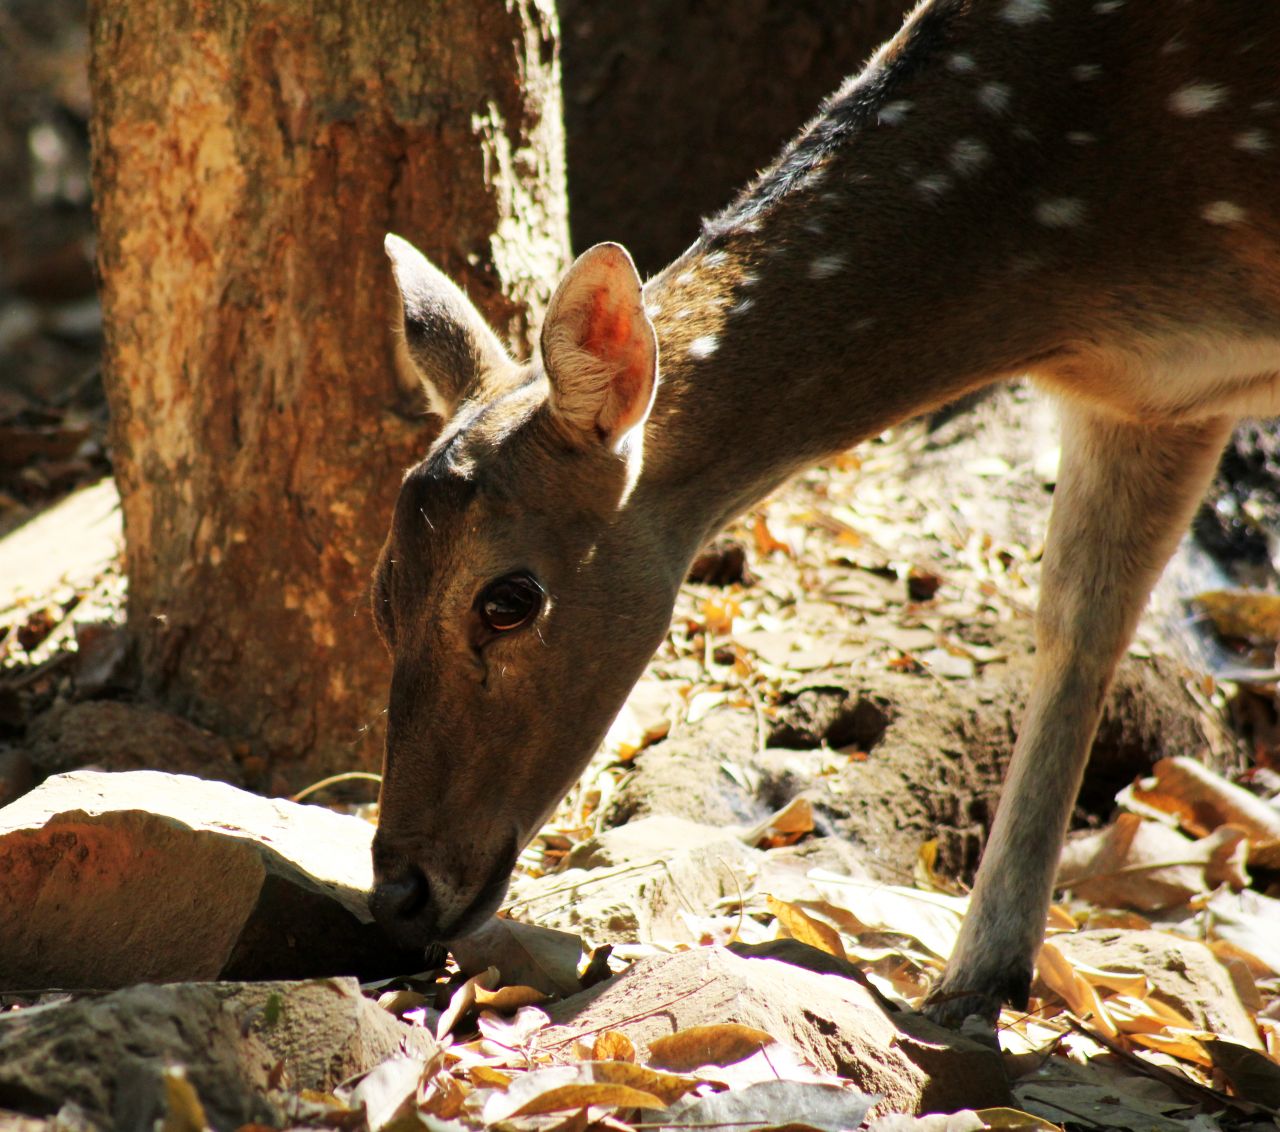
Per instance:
x=672, y=105
x=248, y=158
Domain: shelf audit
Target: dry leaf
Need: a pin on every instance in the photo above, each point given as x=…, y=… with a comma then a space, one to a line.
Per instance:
x=1202, y=801
x=793, y=1105
x=464, y=998
x=525, y=954
x=507, y=1000
x=1253, y=1075
x=613, y=1045
x=1145, y=865
x=514, y=1033
x=806, y=929
x=613, y=1084
x=720, y=1044
x=1242, y=613
x=1057, y=973
x=389, y=1091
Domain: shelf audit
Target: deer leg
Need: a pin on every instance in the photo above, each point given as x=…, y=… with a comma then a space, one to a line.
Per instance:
x=1125, y=494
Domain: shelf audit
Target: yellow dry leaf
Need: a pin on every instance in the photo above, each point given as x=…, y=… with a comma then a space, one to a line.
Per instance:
x=1058, y=973
x=721, y=1044
x=1012, y=1120
x=799, y=925
x=613, y=1045
x=507, y=1000
x=487, y=1076
x=557, y=1099
x=1183, y=1044
x=1242, y=613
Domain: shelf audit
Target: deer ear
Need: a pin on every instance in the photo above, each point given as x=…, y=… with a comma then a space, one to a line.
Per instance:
x=446, y=343
x=599, y=348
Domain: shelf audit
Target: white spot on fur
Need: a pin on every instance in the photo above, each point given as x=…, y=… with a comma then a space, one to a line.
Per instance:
x=1106, y=7
x=1252, y=141
x=1023, y=12
x=995, y=97
x=1086, y=72
x=704, y=347
x=814, y=225
x=1060, y=212
x=743, y=305
x=961, y=63
x=1223, y=212
x=1265, y=106
x=652, y=310
x=893, y=113
x=1173, y=46
x=748, y=279
x=683, y=312
x=715, y=259
x=1197, y=98
x=861, y=324
x=685, y=277
x=933, y=185
x=969, y=155
x=1081, y=137
x=825, y=266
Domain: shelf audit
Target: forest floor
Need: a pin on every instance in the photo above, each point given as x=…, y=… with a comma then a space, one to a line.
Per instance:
x=813, y=755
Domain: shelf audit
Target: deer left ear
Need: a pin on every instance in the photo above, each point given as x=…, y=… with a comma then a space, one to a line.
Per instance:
x=599, y=349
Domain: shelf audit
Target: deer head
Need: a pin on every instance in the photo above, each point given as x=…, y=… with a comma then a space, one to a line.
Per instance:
x=518, y=591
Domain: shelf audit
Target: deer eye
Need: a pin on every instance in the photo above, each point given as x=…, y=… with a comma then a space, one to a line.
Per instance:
x=509, y=603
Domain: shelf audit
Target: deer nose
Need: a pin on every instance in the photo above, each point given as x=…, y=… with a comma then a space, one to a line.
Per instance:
x=400, y=904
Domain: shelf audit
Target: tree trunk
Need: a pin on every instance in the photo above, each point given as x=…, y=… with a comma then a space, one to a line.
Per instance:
x=671, y=105
x=249, y=156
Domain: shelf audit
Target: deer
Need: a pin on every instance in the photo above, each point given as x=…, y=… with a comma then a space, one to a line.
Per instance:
x=1086, y=192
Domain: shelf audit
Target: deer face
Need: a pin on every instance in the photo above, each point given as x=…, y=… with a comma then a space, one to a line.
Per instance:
x=518, y=593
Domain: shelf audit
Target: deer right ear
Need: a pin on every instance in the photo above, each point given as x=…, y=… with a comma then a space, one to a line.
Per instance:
x=599, y=348
x=446, y=343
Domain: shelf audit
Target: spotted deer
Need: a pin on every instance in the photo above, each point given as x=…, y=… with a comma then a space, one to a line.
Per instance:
x=1085, y=191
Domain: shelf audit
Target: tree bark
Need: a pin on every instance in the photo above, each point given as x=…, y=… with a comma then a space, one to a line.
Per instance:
x=249, y=156
x=671, y=105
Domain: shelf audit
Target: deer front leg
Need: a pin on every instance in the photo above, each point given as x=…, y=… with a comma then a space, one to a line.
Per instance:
x=1124, y=496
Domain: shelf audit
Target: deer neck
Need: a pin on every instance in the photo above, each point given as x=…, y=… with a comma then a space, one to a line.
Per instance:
x=806, y=323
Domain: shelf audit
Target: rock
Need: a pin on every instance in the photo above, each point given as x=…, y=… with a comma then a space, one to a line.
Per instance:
x=832, y=1021
x=107, y=1056
x=112, y=879
x=111, y=735
x=1181, y=972
x=635, y=882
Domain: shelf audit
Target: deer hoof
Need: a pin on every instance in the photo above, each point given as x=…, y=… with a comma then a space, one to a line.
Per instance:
x=964, y=994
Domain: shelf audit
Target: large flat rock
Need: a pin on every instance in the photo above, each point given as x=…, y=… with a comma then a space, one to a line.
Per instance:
x=112, y=879
x=833, y=1021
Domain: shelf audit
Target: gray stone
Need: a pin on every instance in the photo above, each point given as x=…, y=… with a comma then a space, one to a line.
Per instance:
x=112, y=879
x=834, y=1022
x=106, y=1057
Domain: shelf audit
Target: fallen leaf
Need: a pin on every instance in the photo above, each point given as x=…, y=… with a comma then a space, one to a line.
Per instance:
x=613, y=1045
x=514, y=1033
x=389, y=1091
x=615, y=1084
x=806, y=929
x=1253, y=1075
x=524, y=954
x=1202, y=801
x=719, y=1044
x=464, y=998
x=183, y=1110
x=793, y=1105
x=1146, y=865
x=509, y=999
